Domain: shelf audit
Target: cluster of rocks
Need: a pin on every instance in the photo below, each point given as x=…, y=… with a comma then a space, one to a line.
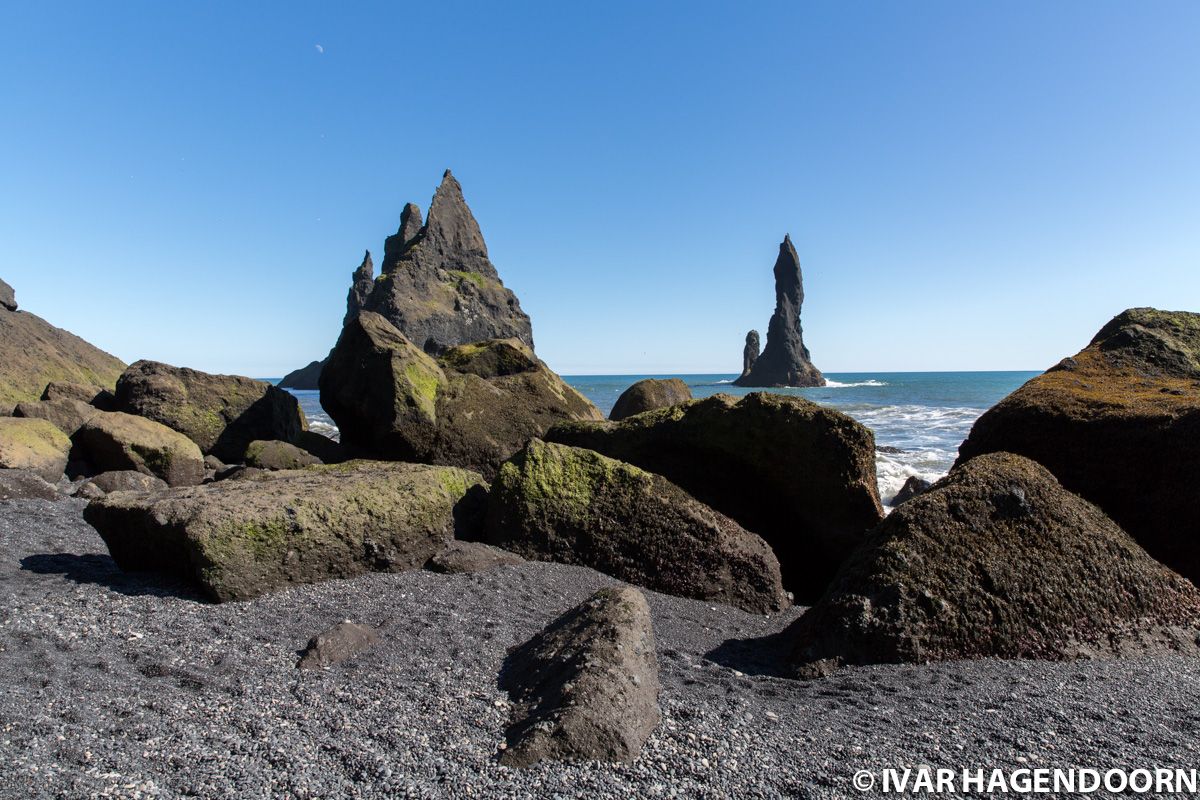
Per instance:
x=1063, y=531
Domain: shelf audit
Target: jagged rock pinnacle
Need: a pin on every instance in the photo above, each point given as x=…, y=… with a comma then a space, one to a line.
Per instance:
x=362, y=282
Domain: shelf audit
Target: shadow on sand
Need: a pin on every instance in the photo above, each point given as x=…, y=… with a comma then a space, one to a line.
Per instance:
x=99, y=569
x=762, y=655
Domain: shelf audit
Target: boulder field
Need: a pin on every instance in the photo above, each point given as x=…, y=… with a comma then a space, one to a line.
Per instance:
x=996, y=560
x=239, y=538
x=1118, y=424
x=799, y=475
x=472, y=407
x=557, y=503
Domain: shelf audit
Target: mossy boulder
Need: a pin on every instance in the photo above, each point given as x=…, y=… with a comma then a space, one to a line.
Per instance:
x=35, y=445
x=238, y=539
x=799, y=475
x=557, y=503
x=112, y=440
x=473, y=408
x=996, y=560
x=222, y=414
x=1118, y=424
x=649, y=394
x=66, y=414
x=278, y=455
x=34, y=353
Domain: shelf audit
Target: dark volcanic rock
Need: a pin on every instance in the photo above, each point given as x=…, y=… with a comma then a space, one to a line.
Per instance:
x=552, y=502
x=304, y=379
x=324, y=448
x=911, y=488
x=437, y=285
x=785, y=360
x=750, y=354
x=466, y=557
x=24, y=484
x=340, y=643
x=222, y=414
x=240, y=538
x=649, y=394
x=102, y=399
x=799, y=475
x=1119, y=425
x=114, y=441
x=8, y=298
x=996, y=560
x=35, y=445
x=362, y=282
x=34, y=353
x=278, y=455
x=473, y=408
x=127, y=481
x=65, y=414
x=586, y=687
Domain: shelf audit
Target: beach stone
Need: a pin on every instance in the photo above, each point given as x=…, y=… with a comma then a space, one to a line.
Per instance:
x=126, y=480
x=586, y=687
x=996, y=560
x=8, y=298
x=799, y=475
x=340, y=643
x=649, y=394
x=114, y=441
x=472, y=408
x=25, y=484
x=552, y=502
x=102, y=399
x=237, y=539
x=66, y=414
x=321, y=446
x=222, y=414
x=785, y=361
x=458, y=558
x=214, y=464
x=1118, y=424
x=306, y=378
x=35, y=445
x=278, y=455
x=911, y=488
x=34, y=353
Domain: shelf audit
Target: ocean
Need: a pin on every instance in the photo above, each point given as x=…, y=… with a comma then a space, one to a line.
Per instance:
x=919, y=417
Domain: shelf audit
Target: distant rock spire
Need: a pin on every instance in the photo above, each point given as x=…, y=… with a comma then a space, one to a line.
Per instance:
x=785, y=361
x=395, y=245
x=750, y=352
x=362, y=282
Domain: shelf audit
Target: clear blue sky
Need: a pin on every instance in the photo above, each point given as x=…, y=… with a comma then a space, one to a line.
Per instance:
x=969, y=185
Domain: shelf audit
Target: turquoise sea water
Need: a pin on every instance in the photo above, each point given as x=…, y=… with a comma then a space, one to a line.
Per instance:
x=923, y=415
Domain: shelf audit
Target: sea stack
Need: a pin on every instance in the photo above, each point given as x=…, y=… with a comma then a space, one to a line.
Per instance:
x=438, y=286
x=785, y=360
x=362, y=282
x=750, y=353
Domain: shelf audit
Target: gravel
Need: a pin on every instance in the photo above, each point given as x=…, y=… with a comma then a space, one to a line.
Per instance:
x=133, y=686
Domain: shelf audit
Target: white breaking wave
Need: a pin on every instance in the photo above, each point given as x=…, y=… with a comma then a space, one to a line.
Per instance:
x=839, y=385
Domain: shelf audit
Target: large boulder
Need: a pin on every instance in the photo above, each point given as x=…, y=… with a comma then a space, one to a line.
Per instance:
x=785, y=360
x=34, y=353
x=64, y=413
x=558, y=503
x=996, y=560
x=799, y=475
x=649, y=394
x=23, y=484
x=102, y=399
x=8, y=298
x=112, y=440
x=35, y=445
x=306, y=378
x=127, y=480
x=223, y=414
x=240, y=538
x=473, y=407
x=586, y=687
x=1118, y=424
x=278, y=455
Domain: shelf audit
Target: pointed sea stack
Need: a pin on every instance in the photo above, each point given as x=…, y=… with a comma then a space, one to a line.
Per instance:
x=785, y=360
x=363, y=282
x=438, y=285
x=750, y=353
